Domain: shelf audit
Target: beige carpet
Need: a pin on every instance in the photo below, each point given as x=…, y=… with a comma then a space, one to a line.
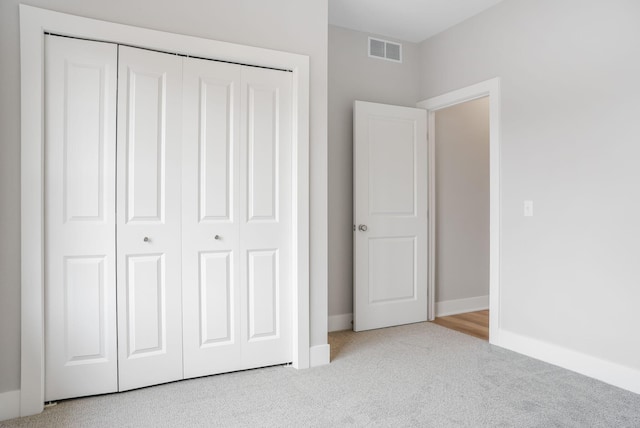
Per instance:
x=417, y=375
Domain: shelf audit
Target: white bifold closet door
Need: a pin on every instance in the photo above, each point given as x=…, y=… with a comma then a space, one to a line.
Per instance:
x=236, y=234
x=148, y=227
x=265, y=217
x=168, y=240
x=80, y=223
x=210, y=206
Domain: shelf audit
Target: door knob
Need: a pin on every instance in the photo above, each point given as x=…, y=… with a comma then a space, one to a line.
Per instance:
x=218, y=237
x=362, y=227
x=146, y=239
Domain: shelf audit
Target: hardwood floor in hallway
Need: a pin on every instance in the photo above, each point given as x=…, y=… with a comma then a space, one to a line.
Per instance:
x=472, y=323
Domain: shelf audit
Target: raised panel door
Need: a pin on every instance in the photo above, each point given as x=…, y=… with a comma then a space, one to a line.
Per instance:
x=210, y=228
x=80, y=283
x=265, y=217
x=390, y=203
x=148, y=228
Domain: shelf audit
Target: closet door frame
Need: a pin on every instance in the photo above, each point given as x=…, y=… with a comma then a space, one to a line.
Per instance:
x=34, y=23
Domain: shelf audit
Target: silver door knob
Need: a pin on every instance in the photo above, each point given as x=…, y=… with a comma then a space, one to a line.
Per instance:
x=218, y=237
x=146, y=239
x=362, y=227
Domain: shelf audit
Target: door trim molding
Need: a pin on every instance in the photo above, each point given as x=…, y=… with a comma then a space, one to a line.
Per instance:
x=34, y=22
x=490, y=88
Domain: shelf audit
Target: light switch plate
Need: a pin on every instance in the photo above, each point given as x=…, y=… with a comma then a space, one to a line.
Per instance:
x=528, y=208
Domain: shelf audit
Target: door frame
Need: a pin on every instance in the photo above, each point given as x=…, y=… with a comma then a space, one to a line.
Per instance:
x=34, y=23
x=490, y=88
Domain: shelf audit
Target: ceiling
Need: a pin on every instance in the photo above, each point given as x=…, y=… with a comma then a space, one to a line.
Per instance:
x=409, y=20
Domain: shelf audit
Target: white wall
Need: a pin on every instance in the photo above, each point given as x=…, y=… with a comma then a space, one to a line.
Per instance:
x=570, y=275
x=288, y=25
x=462, y=203
x=10, y=197
x=355, y=76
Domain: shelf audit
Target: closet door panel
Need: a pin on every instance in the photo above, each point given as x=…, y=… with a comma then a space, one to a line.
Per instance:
x=266, y=213
x=216, y=283
x=262, y=151
x=146, y=310
x=262, y=292
x=216, y=135
x=84, y=298
x=80, y=286
x=211, y=314
x=148, y=232
x=146, y=102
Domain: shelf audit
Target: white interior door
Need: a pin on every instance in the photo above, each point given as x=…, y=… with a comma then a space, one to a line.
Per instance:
x=148, y=227
x=390, y=215
x=265, y=214
x=210, y=226
x=80, y=283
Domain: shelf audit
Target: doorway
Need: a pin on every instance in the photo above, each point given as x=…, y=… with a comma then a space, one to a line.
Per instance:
x=464, y=206
x=462, y=217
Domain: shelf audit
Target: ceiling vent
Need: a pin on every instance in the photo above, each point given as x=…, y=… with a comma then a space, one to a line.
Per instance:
x=384, y=49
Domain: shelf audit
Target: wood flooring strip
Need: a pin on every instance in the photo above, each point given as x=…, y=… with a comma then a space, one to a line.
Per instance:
x=473, y=323
x=476, y=318
x=463, y=326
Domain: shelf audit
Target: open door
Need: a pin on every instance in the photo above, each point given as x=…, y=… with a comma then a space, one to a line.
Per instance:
x=390, y=215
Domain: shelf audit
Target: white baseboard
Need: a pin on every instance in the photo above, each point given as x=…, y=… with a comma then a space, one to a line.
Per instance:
x=340, y=322
x=9, y=405
x=461, y=306
x=605, y=371
x=319, y=355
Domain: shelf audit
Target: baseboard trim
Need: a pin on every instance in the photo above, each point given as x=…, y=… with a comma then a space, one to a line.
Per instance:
x=319, y=355
x=340, y=322
x=461, y=306
x=9, y=405
x=603, y=370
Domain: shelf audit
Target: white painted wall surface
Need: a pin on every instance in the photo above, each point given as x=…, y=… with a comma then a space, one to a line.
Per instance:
x=355, y=76
x=462, y=201
x=10, y=197
x=569, y=274
x=287, y=25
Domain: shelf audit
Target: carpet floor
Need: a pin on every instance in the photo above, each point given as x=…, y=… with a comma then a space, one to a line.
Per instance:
x=415, y=375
